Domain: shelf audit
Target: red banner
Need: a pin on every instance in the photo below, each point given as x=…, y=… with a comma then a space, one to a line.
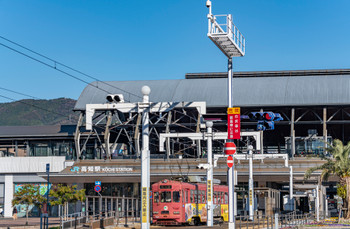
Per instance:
x=234, y=123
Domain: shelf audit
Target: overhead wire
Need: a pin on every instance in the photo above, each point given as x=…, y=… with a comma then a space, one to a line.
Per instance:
x=64, y=65
x=19, y=93
x=64, y=72
x=21, y=101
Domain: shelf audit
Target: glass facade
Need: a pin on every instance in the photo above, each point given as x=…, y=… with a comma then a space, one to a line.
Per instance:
x=53, y=148
x=113, y=189
x=307, y=146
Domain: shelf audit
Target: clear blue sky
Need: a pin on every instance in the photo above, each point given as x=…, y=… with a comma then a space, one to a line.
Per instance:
x=163, y=39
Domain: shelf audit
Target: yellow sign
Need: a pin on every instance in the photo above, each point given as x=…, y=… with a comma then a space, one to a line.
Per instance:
x=234, y=110
x=209, y=190
x=250, y=197
x=144, y=205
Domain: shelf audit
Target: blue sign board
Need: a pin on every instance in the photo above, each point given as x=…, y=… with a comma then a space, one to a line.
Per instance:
x=97, y=182
x=47, y=168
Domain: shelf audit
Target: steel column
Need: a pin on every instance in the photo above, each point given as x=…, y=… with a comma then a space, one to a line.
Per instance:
x=108, y=134
x=292, y=133
x=324, y=129
x=77, y=136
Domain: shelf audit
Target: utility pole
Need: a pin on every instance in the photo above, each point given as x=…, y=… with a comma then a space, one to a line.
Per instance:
x=291, y=188
x=145, y=161
x=251, y=183
x=210, y=174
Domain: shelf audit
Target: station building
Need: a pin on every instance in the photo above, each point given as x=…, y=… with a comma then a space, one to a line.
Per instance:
x=314, y=105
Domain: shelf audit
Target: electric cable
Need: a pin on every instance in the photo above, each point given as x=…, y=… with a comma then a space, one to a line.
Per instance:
x=19, y=93
x=20, y=101
x=64, y=65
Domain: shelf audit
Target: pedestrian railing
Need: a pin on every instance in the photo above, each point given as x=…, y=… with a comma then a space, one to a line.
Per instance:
x=277, y=221
x=73, y=220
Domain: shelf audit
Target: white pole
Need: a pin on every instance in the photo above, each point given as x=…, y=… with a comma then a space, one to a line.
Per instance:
x=210, y=175
x=231, y=175
x=291, y=188
x=317, y=204
x=251, y=185
x=145, y=163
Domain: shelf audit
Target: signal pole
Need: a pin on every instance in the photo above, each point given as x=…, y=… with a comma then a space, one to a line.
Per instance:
x=232, y=43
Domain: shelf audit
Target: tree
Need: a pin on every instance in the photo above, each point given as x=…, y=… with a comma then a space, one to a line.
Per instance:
x=338, y=165
x=65, y=194
x=28, y=195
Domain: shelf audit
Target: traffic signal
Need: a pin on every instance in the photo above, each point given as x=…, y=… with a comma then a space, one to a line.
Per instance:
x=266, y=120
x=255, y=116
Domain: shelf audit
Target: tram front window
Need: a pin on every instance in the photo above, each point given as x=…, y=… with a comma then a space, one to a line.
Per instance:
x=165, y=197
x=176, y=196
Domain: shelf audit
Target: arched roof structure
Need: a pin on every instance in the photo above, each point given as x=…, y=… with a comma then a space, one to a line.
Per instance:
x=268, y=90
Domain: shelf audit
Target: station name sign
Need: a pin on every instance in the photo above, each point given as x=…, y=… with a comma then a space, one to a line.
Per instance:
x=100, y=169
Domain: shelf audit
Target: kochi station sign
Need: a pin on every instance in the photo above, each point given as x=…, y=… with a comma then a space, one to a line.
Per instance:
x=100, y=169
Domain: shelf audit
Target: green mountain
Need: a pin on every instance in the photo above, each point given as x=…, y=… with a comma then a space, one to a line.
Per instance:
x=30, y=112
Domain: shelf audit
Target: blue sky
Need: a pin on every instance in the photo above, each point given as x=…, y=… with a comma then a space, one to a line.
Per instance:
x=163, y=39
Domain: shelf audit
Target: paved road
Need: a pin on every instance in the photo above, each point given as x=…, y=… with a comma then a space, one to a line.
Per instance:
x=22, y=221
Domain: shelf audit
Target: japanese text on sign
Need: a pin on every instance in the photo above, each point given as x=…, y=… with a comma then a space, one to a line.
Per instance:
x=234, y=123
x=250, y=197
x=144, y=205
x=209, y=190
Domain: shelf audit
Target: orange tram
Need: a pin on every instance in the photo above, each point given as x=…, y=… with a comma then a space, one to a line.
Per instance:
x=177, y=203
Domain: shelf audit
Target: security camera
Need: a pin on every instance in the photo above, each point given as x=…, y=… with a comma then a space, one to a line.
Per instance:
x=208, y=4
x=117, y=98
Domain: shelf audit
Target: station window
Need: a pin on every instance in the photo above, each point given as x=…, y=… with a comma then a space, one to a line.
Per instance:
x=176, y=196
x=156, y=197
x=165, y=197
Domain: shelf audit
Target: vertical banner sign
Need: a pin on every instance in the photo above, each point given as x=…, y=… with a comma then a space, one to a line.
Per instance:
x=144, y=205
x=234, y=122
x=250, y=197
x=209, y=190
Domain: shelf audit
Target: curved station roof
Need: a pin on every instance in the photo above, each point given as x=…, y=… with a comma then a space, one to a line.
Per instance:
x=250, y=89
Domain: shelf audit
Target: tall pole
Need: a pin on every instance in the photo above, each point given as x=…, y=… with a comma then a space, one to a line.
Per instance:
x=145, y=162
x=317, y=204
x=251, y=184
x=231, y=175
x=47, y=194
x=210, y=174
x=291, y=188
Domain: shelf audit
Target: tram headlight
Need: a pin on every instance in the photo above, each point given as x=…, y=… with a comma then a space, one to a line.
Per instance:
x=176, y=213
x=155, y=213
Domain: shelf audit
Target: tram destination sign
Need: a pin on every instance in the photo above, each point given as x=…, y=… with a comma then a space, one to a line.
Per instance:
x=100, y=169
